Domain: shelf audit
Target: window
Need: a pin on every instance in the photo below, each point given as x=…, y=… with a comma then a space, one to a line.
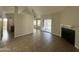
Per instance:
x=39, y=22
x=34, y=22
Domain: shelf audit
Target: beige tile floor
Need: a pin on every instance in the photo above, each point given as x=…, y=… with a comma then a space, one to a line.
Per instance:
x=37, y=42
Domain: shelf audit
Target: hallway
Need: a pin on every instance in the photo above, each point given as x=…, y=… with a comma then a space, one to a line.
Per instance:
x=39, y=42
x=7, y=35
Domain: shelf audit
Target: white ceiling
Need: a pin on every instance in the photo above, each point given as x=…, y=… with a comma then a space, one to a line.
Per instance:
x=45, y=10
x=42, y=10
x=6, y=9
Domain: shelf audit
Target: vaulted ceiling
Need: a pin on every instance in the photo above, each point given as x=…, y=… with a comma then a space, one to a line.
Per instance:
x=45, y=10
x=42, y=10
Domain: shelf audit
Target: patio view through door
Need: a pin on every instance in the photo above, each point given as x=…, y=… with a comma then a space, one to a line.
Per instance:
x=47, y=25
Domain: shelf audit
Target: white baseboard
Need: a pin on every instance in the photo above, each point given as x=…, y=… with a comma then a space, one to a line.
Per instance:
x=23, y=34
x=76, y=46
x=57, y=34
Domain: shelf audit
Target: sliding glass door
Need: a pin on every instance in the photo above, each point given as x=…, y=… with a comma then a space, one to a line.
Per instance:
x=47, y=25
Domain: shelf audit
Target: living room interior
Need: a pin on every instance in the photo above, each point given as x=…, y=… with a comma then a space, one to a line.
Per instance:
x=39, y=28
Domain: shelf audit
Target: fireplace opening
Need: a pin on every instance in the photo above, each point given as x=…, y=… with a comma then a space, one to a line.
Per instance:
x=68, y=34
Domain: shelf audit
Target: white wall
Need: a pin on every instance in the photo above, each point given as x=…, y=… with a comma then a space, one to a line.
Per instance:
x=0, y=27
x=23, y=24
x=56, y=24
x=69, y=16
x=0, y=23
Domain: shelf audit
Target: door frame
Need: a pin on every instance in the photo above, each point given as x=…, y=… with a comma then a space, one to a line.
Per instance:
x=51, y=24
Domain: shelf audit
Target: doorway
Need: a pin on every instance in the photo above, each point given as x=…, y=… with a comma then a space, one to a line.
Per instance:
x=7, y=33
x=47, y=25
x=37, y=24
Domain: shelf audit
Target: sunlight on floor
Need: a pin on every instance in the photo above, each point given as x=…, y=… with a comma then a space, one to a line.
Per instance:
x=5, y=35
x=5, y=32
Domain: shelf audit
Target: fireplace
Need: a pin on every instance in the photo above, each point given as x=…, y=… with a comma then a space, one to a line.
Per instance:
x=68, y=34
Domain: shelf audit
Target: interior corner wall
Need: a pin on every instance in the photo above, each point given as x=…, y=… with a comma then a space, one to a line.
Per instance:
x=0, y=27
x=56, y=24
x=0, y=24
x=23, y=24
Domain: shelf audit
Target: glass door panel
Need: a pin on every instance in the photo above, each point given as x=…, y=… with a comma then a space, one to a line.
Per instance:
x=47, y=25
